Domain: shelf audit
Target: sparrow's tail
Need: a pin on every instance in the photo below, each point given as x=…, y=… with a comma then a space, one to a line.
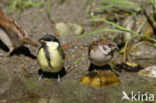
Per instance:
x=28, y=41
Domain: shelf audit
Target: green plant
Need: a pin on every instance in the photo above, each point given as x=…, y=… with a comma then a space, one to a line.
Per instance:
x=48, y=8
x=117, y=4
x=119, y=29
x=19, y=5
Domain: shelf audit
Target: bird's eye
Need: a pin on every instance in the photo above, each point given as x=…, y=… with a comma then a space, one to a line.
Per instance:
x=48, y=40
x=110, y=45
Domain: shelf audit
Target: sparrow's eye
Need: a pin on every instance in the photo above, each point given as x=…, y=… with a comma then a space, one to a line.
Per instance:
x=109, y=45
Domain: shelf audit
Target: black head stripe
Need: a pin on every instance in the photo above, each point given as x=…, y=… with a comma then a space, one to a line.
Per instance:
x=50, y=38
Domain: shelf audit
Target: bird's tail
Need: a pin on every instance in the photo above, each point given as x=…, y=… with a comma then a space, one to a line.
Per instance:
x=28, y=41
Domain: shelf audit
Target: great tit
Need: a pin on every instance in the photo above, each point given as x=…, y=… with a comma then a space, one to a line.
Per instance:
x=50, y=56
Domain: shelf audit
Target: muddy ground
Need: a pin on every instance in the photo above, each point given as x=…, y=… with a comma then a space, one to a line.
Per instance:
x=19, y=72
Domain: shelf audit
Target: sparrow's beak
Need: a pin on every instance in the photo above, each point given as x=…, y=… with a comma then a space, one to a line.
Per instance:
x=115, y=48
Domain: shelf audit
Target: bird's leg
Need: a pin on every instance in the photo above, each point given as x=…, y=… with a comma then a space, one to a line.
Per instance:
x=112, y=68
x=58, y=79
x=40, y=78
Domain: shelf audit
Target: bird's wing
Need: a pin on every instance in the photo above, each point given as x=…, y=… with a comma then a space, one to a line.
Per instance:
x=14, y=30
x=9, y=24
x=61, y=52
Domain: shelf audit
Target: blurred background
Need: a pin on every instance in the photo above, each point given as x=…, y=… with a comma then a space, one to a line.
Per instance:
x=77, y=23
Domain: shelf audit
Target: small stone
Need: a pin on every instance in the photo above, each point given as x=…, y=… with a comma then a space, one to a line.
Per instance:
x=51, y=100
x=42, y=100
x=64, y=29
x=3, y=101
x=77, y=29
x=143, y=50
x=149, y=72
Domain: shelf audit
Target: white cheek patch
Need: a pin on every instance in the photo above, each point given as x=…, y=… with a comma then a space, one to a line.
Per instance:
x=52, y=45
x=105, y=49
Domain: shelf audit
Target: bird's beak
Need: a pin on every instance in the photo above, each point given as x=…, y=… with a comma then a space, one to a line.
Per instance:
x=115, y=48
x=41, y=41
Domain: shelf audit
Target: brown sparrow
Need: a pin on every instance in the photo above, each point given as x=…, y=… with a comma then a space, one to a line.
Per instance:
x=12, y=34
x=101, y=52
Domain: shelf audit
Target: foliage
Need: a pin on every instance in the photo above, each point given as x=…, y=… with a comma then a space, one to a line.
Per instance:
x=19, y=5
x=118, y=3
x=113, y=4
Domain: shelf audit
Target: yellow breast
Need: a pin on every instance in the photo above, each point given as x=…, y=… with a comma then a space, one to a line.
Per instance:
x=42, y=60
x=56, y=61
